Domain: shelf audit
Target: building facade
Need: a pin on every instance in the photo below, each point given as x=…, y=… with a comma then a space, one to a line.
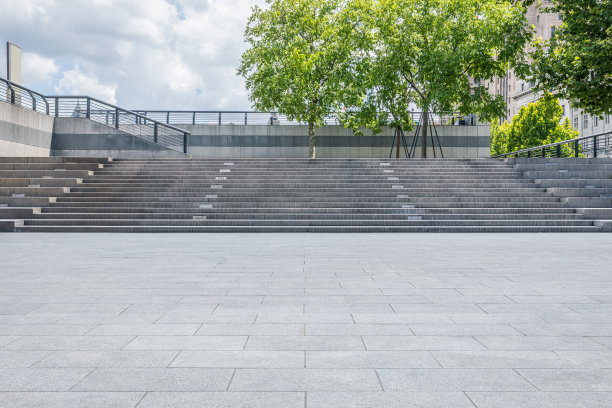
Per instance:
x=517, y=92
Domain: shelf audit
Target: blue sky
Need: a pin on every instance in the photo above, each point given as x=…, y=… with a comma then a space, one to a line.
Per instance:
x=140, y=54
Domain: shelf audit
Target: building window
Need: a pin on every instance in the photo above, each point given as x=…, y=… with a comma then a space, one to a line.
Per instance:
x=553, y=30
x=585, y=122
x=595, y=121
x=607, y=119
x=538, y=19
x=563, y=106
x=576, y=122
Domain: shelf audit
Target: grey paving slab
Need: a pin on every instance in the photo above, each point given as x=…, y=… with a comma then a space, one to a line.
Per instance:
x=569, y=379
x=144, y=330
x=21, y=359
x=501, y=359
x=422, y=343
x=370, y=359
x=541, y=399
x=453, y=380
x=70, y=399
x=250, y=329
x=223, y=400
x=187, y=343
x=305, y=379
x=527, y=343
x=156, y=379
x=305, y=320
x=107, y=359
x=358, y=329
x=304, y=343
x=240, y=359
x=43, y=379
x=388, y=399
x=70, y=343
x=464, y=330
x=44, y=329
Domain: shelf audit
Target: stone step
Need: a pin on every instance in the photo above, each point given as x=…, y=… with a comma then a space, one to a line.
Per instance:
x=52, y=167
x=310, y=229
x=53, y=160
x=308, y=211
x=42, y=182
x=414, y=221
x=280, y=205
x=34, y=191
x=425, y=215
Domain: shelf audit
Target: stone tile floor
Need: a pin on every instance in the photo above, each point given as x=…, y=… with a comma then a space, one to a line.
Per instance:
x=316, y=321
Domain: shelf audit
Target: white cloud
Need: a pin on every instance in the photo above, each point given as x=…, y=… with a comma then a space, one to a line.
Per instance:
x=148, y=54
x=75, y=82
x=37, y=68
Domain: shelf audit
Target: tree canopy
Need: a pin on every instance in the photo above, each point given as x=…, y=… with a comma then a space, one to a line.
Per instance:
x=435, y=54
x=300, y=59
x=577, y=62
x=536, y=124
x=310, y=59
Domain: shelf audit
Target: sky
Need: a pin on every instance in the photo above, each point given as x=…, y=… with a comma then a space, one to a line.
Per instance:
x=139, y=54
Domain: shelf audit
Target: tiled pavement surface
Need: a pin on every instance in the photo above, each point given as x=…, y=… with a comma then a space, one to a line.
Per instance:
x=316, y=321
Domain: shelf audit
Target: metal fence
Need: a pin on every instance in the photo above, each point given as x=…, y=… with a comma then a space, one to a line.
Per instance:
x=274, y=118
x=23, y=97
x=599, y=145
x=124, y=120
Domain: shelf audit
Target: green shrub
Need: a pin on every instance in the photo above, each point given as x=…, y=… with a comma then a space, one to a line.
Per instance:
x=536, y=124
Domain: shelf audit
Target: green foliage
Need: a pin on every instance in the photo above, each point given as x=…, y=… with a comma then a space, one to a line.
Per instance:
x=577, y=62
x=300, y=61
x=427, y=52
x=536, y=124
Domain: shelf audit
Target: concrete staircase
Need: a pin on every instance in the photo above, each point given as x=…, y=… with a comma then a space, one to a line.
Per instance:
x=281, y=195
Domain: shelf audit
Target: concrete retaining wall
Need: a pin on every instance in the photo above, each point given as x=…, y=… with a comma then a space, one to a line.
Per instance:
x=228, y=141
x=24, y=132
x=80, y=137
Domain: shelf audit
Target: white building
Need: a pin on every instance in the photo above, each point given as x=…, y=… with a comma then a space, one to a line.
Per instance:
x=518, y=93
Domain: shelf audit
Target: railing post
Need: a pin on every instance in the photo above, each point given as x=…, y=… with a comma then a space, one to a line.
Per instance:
x=185, y=137
x=116, y=118
x=529, y=153
x=594, y=146
x=219, y=118
x=12, y=94
x=168, y=118
x=46, y=106
x=88, y=113
x=193, y=119
x=246, y=120
x=155, y=132
x=576, y=149
x=559, y=150
x=57, y=107
x=544, y=152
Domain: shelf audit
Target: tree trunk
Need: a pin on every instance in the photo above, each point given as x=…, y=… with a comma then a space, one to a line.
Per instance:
x=425, y=128
x=398, y=133
x=313, y=146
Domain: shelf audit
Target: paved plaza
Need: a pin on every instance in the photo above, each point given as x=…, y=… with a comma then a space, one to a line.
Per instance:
x=306, y=320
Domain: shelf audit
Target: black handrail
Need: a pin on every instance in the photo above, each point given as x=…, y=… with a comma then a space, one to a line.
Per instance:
x=161, y=133
x=578, y=146
x=236, y=117
x=11, y=89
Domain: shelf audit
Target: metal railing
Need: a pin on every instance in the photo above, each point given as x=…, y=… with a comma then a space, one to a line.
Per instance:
x=273, y=118
x=587, y=146
x=124, y=120
x=23, y=97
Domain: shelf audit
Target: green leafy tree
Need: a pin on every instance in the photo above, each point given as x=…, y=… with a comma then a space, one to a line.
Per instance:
x=577, y=61
x=300, y=58
x=428, y=52
x=539, y=123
